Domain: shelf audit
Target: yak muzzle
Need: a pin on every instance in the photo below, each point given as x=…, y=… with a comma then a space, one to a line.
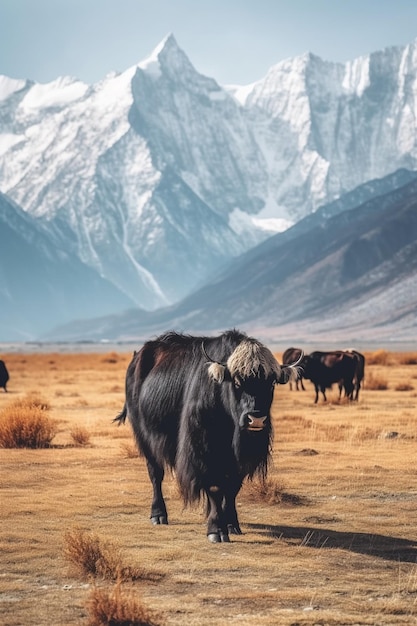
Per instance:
x=256, y=423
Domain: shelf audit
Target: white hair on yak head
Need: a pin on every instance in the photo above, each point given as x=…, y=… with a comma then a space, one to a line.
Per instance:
x=251, y=358
x=217, y=371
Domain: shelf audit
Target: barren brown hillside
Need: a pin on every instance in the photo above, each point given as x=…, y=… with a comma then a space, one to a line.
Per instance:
x=331, y=538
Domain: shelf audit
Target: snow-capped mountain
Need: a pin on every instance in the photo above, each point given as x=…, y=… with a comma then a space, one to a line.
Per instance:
x=158, y=176
x=41, y=283
x=341, y=272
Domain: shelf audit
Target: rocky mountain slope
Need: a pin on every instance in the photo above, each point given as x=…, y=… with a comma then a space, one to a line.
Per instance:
x=41, y=283
x=349, y=273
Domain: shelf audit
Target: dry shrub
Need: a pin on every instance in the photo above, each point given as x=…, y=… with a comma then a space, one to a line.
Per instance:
x=270, y=492
x=129, y=451
x=404, y=387
x=409, y=359
x=112, y=357
x=32, y=400
x=376, y=382
x=101, y=559
x=80, y=436
x=25, y=424
x=114, y=608
x=379, y=357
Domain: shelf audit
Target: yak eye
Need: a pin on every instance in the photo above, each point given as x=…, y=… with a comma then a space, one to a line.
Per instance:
x=237, y=383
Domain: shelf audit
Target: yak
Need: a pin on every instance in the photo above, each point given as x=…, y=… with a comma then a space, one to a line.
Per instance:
x=326, y=368
x=4, y=375
x=201, y=407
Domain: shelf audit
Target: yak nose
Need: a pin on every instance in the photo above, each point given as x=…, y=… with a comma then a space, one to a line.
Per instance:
x=256, y=423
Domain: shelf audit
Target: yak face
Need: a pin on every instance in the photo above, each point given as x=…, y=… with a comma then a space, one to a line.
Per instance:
x=250, y=372
x=253, y=396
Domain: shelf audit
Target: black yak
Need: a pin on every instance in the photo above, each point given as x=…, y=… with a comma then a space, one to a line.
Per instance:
x=4, y=375
x=201, y=406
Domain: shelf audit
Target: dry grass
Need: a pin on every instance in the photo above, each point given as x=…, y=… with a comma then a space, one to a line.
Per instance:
x=129, y=450
x=96, y=557
x=80, y=436
x=329, y=538
x=379, y=357
x=25, y=424
x=376, y=382
x=116, y=608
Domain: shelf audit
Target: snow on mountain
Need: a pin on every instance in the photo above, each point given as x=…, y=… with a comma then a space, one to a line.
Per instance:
x=9, y=86
x=344, y=271
x=41, y=283
x=158, y=176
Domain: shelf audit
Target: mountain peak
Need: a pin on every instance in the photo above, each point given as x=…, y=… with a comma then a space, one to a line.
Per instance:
x=9, y=86
x=167, y=58
x=167, y=49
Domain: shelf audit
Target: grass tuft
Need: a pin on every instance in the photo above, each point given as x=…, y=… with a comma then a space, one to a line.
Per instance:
x=112, y=357
x=379, y=357
x=404, y=387
x=115, y=608
x=129, y=451
x=24, y=424
x=100, y=559
x=375, y=382
x=271, y=492
x=80, y=436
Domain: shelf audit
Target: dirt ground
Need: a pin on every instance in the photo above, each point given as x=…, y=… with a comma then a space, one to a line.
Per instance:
x=331, y=540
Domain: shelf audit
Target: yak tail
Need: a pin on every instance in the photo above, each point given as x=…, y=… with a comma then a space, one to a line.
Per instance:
x=121, y=418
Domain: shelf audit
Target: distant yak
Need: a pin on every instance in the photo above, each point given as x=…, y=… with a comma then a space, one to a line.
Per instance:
x=4, y=375
x=201, y=406
x=326, y=368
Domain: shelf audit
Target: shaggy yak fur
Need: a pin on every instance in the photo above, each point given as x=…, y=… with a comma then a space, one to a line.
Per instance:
x=201, y=406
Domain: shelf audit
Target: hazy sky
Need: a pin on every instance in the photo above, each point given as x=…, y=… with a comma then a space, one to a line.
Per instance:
x=234, y=41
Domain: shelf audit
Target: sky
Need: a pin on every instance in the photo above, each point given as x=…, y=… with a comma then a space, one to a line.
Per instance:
x=233, y=41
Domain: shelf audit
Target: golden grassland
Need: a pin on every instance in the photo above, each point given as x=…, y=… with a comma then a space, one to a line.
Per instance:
x=331, y=538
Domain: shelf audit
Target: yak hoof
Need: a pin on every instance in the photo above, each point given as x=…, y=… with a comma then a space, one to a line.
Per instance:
x=219, y=537
x=234, y=530
x=159, y=519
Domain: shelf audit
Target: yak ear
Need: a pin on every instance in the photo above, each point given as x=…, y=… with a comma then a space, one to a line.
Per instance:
x=217, y=371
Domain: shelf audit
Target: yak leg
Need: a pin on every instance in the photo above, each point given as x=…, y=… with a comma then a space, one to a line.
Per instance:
x=323, y=391
x=216, y=522
x=229, y=508
x=317, y=388
x=349, y=387
x=158, y=509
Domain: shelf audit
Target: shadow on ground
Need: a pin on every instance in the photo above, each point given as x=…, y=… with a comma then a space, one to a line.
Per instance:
x=382, y=546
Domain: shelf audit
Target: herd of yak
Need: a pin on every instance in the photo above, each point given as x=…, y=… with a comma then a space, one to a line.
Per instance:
x=201, y=407
x=344, y=367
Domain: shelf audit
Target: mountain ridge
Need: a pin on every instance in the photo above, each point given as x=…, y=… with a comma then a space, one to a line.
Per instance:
x=334, y=269
x=157, y=177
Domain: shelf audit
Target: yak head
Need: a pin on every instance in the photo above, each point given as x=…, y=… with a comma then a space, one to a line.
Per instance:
x=252, y=372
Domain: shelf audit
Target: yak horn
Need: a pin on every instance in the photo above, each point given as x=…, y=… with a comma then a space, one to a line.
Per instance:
x=210, y=360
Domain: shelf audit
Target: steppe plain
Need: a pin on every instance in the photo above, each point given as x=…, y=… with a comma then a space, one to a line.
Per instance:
x=330, y=539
